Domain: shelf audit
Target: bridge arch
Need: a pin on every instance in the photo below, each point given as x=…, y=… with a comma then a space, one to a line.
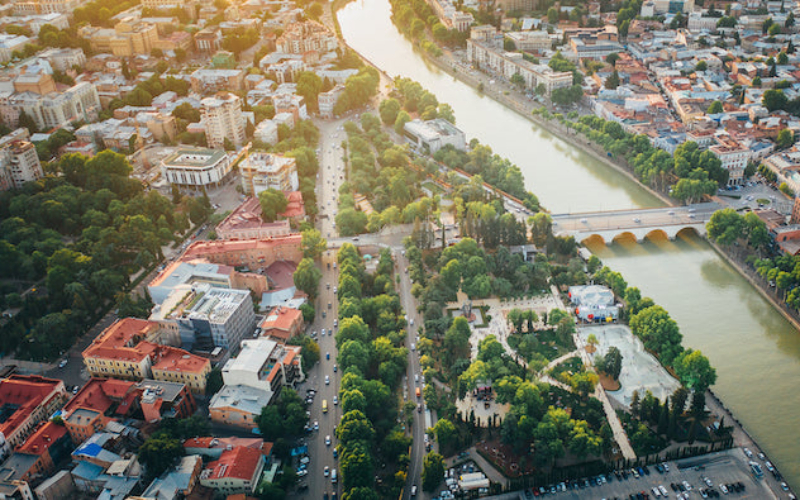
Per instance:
x=593, y=239
x=688, y=231
x=657, y=234
x=626, y=235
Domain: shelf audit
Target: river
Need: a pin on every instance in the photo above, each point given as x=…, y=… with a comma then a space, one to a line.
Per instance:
x=755, y=351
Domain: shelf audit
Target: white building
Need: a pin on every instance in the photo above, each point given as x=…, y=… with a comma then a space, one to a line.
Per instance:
x=263, y=171
x=266, y=131
x=196, y=167
x=327, y=101
x=434, y=135
x=265, y=365
x=530, y=41
x=19, y=162
x=734, y=158
x=11, y=43
x=223, y=119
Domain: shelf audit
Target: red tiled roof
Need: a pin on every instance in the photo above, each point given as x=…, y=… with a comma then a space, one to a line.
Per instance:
x=173, y=359
x=97, y=395
x=282, y=318
x=45, y=436
x=119, y=340
x=238, y=463
x=26, y=392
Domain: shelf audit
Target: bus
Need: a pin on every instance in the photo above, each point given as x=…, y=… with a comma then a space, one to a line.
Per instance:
x=324, y=406
x=418, y=392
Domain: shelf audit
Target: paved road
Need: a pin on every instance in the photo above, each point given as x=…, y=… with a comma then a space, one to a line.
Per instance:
x=418, y=429
x=328, y=183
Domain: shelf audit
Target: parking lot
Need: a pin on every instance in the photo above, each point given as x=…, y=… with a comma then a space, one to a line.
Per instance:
x=722, y=468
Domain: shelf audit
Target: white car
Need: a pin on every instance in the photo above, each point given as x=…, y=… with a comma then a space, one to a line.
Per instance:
x=326, y=471
x=327, y=380
x=335, y=400
x=316, y=425
x=328, y=440
x=63, y=363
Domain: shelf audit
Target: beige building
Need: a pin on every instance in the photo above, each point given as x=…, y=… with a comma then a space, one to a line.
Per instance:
x=263, y=171
x=19, y=162
x=223, y=119
x=308, y=36
x=196, y=167
x=30, y=7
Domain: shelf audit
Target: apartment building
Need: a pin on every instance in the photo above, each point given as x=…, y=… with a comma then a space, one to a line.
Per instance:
x=531, y=41
x=282, y=323
x=25, y=401
x=160, y=399
x=223, y=119
x=19, y=162
x=171, y=364
x=208, y=81
x=80, y=102
x=485, y=50
x=34, y=7
x=327, y=101
x=48, y=444
x=11, y=43
x=262, y=171
x=196, y=167
x=299, y=38
x=734, y=158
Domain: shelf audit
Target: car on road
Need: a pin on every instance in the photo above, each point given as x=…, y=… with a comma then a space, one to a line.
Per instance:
x=328, y=440
x=63, y=363
x=414, y=490
x=76, y=389
x=326, y=471
x=335, y=368
x=316, y=425
x=327, y=380
x=302, y=472
x=335, y=400
x=335, y=453
x=323, y=332
x=327, y=355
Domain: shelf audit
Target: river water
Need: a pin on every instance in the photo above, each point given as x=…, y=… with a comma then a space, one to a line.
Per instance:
x=755, y=351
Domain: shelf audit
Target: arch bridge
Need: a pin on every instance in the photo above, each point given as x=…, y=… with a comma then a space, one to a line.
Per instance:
x=637, y=224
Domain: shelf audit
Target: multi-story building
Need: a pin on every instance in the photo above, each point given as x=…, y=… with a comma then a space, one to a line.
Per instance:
x=160, y=399
x=734, y=158
x=266, y=132
x=26, y=400
x=163, y=4
x=531, y=41
x=80, y=102
x=130, y=37
x=238, y=405
x=485, y=50
x=207, y=81
x=299, y=38
x=196, y=167
x=208, y=40
x=252, y=253
x=126, y=350
x=213, y=447
x=64, y=59
x=171, y=364
x=223, y=119
x=245, y=222
x=48, y=444
x=10, y=44
x=265, y=365
x=31, y=7
x=201, y=271
x=282, y=323
x=208, y=317
x=263, y=171
x=327, y=101
x=237, y=471
x=586, y=46
x=433, y=135
x=19, y=162
x=97, y=403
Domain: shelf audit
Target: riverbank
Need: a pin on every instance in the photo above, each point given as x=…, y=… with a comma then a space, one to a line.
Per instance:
x=525, y=109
